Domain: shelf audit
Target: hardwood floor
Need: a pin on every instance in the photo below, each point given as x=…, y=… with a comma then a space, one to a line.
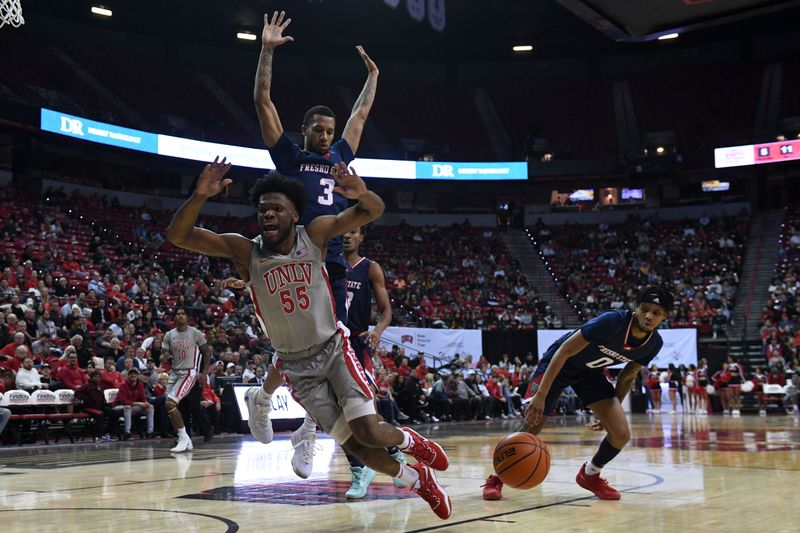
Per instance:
x=678, y=473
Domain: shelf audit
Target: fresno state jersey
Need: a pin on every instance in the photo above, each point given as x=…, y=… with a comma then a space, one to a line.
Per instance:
x=610, y=343
x=359, y=296
x=314, y=172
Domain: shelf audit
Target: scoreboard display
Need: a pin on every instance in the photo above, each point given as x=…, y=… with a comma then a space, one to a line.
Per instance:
x=757, y=154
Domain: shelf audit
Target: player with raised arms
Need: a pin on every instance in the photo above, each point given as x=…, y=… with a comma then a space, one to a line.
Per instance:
x=311, y=166
x=288, y=283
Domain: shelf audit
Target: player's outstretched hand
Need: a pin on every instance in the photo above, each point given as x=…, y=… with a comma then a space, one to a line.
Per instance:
x=233, y=283
x=372, y=68
x=272, y=35
x=211, y=182
x=533, y=413
x=373, y=338
x=348, y=183
x=596, y=425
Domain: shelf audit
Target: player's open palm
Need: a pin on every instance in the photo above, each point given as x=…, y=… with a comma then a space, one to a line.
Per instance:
x=349, y=184
x=371, y=66
x=272, y=35
x=212, y=180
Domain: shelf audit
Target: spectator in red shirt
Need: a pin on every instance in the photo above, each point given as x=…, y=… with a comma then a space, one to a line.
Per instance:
x=94, y=403
x=494, y=390
x=421, y=370
x=10, y=349
x=71, y=376
x=110, y=377
x=404, y=370
x=210, y=402
x=15, y=363
x=131, y=401
x=160, y=388
x=71, y=265
x=387, y=362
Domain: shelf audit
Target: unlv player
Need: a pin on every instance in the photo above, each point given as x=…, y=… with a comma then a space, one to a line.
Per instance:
x=288, y=284
x=311, y=166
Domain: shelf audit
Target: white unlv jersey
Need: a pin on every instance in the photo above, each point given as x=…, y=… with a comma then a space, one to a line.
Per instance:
x=184, y=347
x=292, y=295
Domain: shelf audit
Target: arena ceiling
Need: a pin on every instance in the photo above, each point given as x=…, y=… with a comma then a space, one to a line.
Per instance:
x=479, y=29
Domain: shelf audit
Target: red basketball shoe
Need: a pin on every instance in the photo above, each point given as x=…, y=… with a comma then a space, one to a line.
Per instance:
x=596, y=484
x=493, y=488
x=429, y=490
x=425, y=450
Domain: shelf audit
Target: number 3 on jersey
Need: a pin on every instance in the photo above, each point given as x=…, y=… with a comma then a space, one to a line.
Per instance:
x=326, y=198
x=300, y=299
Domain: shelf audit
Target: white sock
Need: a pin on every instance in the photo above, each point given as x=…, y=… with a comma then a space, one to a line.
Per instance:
x=182, y=433
x=309, y=426
x=407, y=475
x=407, y=441
x=590, y=469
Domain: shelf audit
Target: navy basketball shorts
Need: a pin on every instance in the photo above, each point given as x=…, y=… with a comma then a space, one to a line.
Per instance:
x=589, y=386
x=337, y=277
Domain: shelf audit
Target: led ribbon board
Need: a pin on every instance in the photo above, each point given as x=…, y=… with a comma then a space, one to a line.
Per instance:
x=756, y=154
x=167, y=145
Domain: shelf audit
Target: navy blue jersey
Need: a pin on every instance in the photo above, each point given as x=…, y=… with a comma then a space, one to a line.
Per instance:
x=314, y=172
x=359, y=296
x=610, y=343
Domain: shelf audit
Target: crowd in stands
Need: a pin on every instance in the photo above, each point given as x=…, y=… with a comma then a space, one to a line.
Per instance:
x=462, y=389
x=601, y=267
x=780, y=318
x=454, y=277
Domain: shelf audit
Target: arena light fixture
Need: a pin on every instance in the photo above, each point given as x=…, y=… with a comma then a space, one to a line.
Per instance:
x=668, y=36
x=520, y=48
x=660, y=150
x=100, y=10
x=246, y=36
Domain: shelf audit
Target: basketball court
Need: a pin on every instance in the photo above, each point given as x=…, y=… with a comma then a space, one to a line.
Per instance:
x=678, y=473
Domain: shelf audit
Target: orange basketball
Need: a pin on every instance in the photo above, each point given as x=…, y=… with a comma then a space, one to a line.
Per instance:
x=521, y=460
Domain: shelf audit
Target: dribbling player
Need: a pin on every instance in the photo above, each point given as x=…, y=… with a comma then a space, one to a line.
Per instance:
x=184, y=344
x=288, y=283
x=311, y=166
x=578, y=359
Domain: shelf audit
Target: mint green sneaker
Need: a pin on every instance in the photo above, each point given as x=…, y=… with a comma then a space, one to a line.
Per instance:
x=362, y=477
x=400, y=457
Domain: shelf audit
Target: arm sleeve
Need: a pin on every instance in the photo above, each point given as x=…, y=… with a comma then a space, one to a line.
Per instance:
x=602, y=327
x=285, y=154
x=165, y=347
x=342, y=148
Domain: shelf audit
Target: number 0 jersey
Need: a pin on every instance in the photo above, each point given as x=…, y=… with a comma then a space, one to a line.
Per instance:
x=292, y=296
x=610, y=343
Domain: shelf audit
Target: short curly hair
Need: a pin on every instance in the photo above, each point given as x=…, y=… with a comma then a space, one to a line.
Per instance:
x=276, y=182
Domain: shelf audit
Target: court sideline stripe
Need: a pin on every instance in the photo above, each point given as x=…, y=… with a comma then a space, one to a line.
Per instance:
x=232, y=527
x=658, y=480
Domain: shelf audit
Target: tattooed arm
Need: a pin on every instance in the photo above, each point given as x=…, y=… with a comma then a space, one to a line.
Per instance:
x=271, y=38
x=355, y=124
